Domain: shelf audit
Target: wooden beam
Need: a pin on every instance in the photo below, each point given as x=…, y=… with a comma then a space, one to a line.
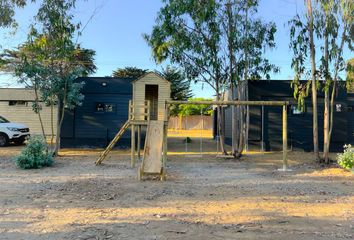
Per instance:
x=285, y=138
x=132, y=150
x=164, y=150
x=139, y=141
x=262, y=141
x=245, y=103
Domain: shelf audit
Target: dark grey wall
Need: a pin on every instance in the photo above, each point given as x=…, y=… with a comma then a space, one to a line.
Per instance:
x=85, y=127
x=299, y=126
x=350, y=118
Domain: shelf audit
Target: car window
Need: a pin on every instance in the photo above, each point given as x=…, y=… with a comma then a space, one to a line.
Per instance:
x=3, y=120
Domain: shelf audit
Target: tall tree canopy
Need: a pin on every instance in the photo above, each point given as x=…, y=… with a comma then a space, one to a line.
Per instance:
x=350, y=75
x=129, y=72
x=218, y=42
x=51, y=60
x=7, y=11
x=321, y=33
x=180, y=86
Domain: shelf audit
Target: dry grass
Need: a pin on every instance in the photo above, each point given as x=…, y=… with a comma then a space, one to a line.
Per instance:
x=203, y=198
x=179, y=133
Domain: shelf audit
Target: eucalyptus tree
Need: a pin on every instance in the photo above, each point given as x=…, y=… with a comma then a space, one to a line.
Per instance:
x=63, y=56
x=303, y=45
x=24, y=63
x=247, y=38
x=213, y=43
x=335, y=18
x=7, y=10
x=52, y=60
x=328, y=24
x=346, y=25
x=350, y=75
x=188, y=34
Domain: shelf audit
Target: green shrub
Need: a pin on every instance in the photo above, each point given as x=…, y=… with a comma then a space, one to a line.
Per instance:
x=187, y=139
x=346, y=159
x=35, y=154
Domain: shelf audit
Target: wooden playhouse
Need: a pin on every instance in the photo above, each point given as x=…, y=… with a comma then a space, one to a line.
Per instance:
x=147, y=108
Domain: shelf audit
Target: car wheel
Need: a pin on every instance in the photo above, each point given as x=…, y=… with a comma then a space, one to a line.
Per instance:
x=4, y=140
x=19, y=142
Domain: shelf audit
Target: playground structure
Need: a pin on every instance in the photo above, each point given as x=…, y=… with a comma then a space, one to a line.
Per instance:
x=150, y=108
x=147, y=109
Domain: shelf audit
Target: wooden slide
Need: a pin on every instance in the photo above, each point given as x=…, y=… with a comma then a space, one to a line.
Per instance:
x=152, y=163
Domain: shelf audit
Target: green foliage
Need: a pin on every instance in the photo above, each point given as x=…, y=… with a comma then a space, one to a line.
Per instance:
x=187, y=140
x=51, y=60
x=195, y=109
x=350, y=75
x=180, y=86
x=346, y=159
x=194, y=35
x=35, y=154
x=332, y=24
x=7, y=10
x=129, y=72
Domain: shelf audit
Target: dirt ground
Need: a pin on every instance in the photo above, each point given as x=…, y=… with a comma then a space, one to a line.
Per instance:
x=203, y=198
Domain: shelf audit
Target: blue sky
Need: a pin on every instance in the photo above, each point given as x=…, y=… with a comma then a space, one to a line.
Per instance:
x=115, y=33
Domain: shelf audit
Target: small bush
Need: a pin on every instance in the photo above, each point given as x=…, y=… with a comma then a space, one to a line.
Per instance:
x=346, y=159
x=187, y=139
x=35, y=154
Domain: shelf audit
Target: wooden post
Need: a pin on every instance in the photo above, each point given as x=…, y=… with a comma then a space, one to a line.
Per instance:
x=132, y=153
x=139, y=141
x=262, y=143
x=148, y=111
x=285, y=138
x=164, y=158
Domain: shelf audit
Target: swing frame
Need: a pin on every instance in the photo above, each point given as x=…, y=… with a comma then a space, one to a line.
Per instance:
x=283, y=104
x=200, y=141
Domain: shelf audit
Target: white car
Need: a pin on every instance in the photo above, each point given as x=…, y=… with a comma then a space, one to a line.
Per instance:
x=12, y=132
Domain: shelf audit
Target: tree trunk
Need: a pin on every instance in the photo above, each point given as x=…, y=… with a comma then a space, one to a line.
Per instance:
x=246, y=87
x=247, y=117
x=61, y=112
x=220, y=122
x=334, y=87
x=313, y=85
x=39, y=111
x=326, y=100
x=221, y=130
x=241, y=121
x=231, y=74
x=52, y=123
x=326, y=128
x=57, y=137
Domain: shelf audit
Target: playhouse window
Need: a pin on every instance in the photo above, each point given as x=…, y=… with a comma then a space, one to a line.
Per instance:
x=296, y=110
x=338, y=107
x=105, y=107
x=17, y=103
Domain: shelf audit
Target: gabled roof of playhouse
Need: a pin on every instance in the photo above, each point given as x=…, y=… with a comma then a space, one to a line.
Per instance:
x=151, y=73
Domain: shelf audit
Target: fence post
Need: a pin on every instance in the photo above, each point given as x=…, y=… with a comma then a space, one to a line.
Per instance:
x=285, y=138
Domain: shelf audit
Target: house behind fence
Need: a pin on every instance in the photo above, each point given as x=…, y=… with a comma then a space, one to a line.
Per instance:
x=16, y=106
x=194, y=122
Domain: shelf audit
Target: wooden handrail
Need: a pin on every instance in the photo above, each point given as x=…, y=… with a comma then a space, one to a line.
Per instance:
x=245, y=103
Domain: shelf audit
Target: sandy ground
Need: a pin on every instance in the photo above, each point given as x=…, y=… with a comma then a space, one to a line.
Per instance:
x=203, y=198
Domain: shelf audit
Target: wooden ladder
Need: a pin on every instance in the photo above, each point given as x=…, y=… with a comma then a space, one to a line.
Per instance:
x=112, y=143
